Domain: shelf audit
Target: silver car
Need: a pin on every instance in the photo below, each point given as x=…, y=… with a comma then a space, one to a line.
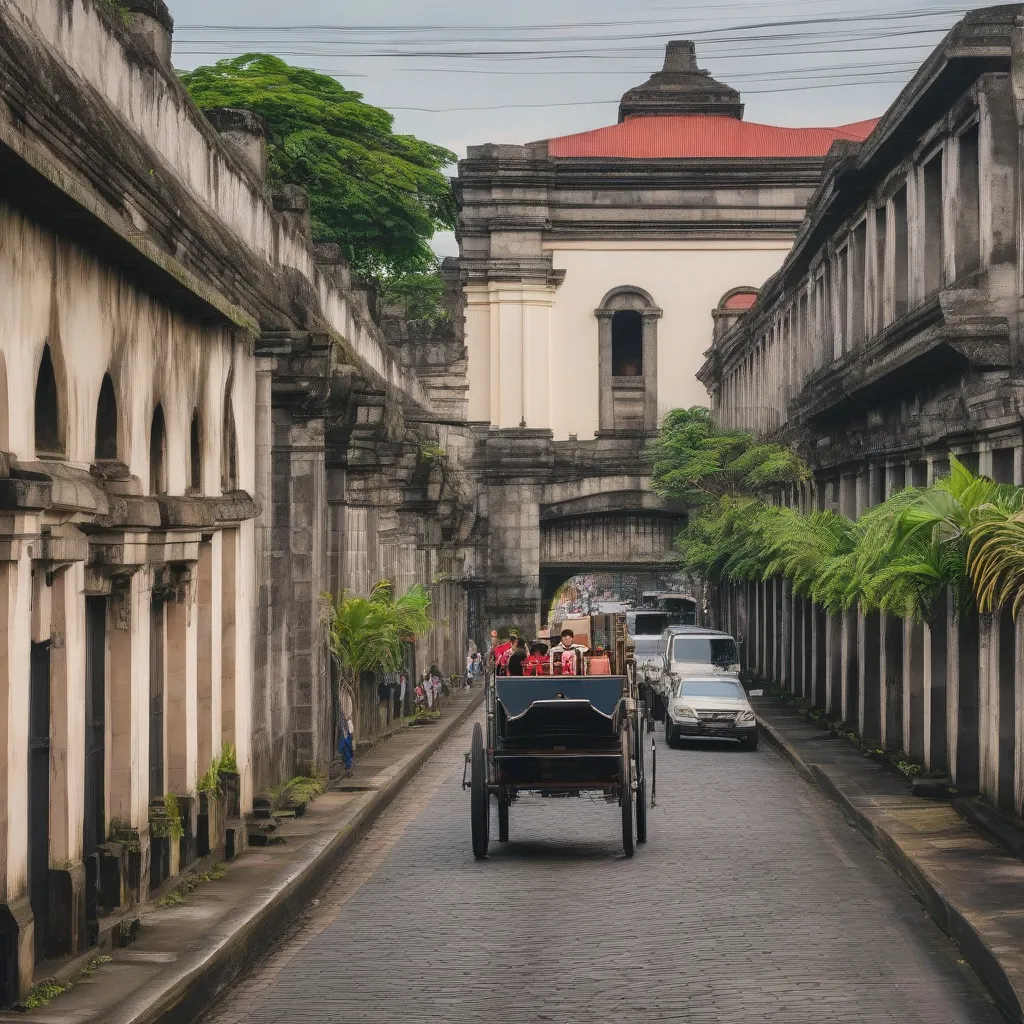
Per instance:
x=713, y=707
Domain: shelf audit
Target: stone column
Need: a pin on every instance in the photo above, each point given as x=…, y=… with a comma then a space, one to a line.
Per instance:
x=16, y=923
x=914, y=692
x=66, y=924
x=182, y=636
x=208, y=679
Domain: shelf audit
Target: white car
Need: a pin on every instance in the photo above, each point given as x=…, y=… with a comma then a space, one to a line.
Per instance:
x=713, y=707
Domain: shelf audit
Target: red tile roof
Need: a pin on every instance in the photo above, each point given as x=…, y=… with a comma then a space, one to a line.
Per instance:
x=741, y=300
x=703, y=136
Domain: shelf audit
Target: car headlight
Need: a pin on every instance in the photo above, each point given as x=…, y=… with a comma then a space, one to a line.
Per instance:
x=679, y=711
x=745, y=717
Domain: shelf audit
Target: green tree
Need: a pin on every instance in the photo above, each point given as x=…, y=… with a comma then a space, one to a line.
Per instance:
x=696, y=463
x=367, y=634
x=380, y=195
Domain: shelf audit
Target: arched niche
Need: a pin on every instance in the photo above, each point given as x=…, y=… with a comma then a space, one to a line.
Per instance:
x=105, y=447
x=49, y=417
x=229, y=450
x=195, y=455
x=628, y=361
x=158, y=452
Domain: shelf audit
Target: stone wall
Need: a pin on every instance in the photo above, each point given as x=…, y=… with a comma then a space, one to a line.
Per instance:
x=888, y=341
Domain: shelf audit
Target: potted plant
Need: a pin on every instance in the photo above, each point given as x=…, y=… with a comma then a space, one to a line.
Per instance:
x=230, y=782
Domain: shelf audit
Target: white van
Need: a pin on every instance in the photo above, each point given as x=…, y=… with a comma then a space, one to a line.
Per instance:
x=690, y=651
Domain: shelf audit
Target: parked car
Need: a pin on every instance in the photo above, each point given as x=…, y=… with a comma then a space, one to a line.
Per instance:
x=694, y=651
x=714, y=707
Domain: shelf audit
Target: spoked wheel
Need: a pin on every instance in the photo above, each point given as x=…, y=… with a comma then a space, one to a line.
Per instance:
x=481, y=817
x=628, y=846
x=502, y=818
x=641, y=790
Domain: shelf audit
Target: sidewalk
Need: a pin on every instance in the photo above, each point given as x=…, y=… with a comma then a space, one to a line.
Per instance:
x=971, y=886
x=185, y=954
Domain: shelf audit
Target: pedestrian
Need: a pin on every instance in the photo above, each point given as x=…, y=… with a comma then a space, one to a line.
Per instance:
x=478, y=666
x=435, y=680
x=470, y=662
x=428, y=689
x=401, y=693
x=345, y=744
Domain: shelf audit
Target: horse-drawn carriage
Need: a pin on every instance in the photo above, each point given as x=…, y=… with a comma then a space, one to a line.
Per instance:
x=562, y=735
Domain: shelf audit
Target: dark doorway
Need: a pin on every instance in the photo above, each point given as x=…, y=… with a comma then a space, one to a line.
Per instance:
x=195, y=471
x=39, y=791
x=95, y=721
x=157, y=453
x=627, y=344
x=106, y=421
x=49, y=429
x=156, y=700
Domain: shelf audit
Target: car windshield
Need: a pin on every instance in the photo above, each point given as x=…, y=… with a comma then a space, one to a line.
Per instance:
x=649, y=623
x=705, y=650
x=646, y=646
x=710, y=688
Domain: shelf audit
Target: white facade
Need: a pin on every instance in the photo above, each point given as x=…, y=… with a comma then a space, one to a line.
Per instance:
x=548, y=334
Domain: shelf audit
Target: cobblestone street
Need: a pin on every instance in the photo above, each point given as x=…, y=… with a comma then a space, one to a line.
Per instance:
x=753, y=900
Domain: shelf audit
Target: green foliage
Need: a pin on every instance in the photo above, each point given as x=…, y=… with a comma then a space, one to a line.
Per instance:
x=296, y=791
x=381, y=196
x=228, y=759
x=188, y=885
x=432, y=452
x=962, y=537
x=43, y=993
x=120, y=11
x=367, y=634
x=166, y=823
x=696, y=463
x=210, y=782
x=420, y=292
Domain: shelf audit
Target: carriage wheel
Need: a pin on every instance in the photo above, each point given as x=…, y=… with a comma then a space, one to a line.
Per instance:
x=502, y=819
x=479, y=800
x=625, y=782
x=641, y=790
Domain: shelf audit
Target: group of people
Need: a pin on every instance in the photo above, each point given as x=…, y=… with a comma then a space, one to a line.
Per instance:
x=515, y=657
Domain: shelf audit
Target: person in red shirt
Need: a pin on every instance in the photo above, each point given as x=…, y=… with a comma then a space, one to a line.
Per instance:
x=537, y=662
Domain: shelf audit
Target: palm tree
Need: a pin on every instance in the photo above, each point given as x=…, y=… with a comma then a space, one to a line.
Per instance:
x=995, y=556
x=930, y=549
x=367, y=634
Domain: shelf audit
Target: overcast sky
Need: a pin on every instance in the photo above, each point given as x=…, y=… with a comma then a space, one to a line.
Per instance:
x=463, y=72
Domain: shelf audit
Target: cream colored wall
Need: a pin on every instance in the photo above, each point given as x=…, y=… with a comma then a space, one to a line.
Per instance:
x=686, y=280
x=96, y=322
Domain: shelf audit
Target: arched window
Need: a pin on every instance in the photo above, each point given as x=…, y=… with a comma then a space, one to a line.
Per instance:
x=628, y=352
x=106, y=421
x=49, y=429
x=229, y=452
x=158, y=453
x=195, y=456
x=627, y=344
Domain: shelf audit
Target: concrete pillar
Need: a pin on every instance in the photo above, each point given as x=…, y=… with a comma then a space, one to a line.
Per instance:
x=209, y=653
x=936, y=670
x=850, y=688
x=786, y=637
x=869, y=659
x=182, y=635
x=962, y=696
x=128, y=679
x=227, y=635
x=1018, y=714
x=891, y=681
x=914, y=689
x=66, y=923
x=16, y=924
x=988, y=707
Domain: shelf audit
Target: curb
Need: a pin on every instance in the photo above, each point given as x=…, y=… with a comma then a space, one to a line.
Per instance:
x=249, y=928
x=984, y=961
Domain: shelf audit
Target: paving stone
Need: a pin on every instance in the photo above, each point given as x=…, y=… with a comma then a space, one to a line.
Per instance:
x=752, y=901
